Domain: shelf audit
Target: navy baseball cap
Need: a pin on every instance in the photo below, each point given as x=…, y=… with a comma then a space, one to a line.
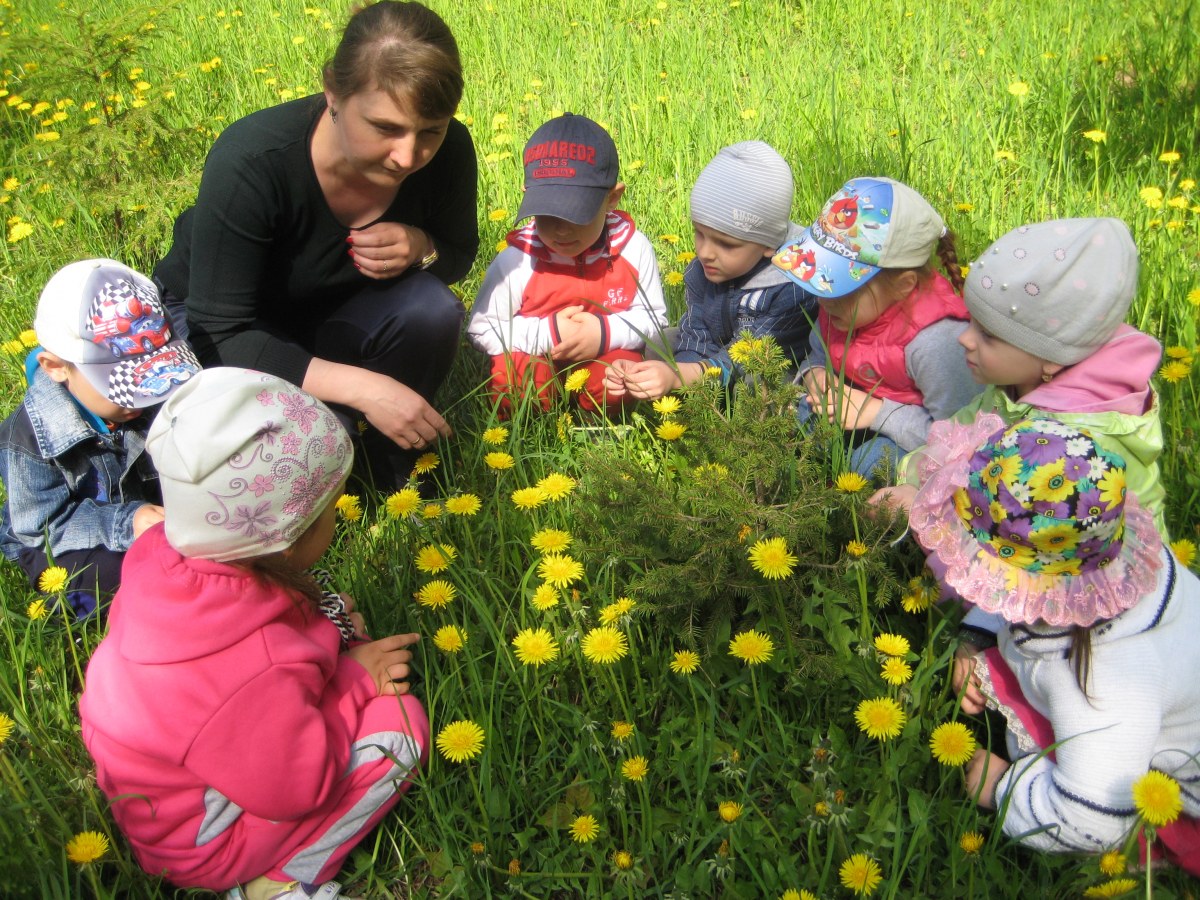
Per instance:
x=570, y=166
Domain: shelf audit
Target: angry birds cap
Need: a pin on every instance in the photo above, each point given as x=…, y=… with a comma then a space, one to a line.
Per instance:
x=871, y=224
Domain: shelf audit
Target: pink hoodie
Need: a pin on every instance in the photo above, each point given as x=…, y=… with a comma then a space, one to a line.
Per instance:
x=1115, y=378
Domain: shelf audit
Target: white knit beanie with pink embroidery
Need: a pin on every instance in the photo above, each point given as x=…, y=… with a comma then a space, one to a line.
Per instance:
x=247, y=462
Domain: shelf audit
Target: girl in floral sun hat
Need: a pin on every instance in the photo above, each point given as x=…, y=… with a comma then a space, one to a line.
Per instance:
x=1096, y=666
x=243, y=745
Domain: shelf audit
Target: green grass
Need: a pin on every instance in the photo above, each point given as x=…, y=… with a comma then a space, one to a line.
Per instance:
x=915, y=90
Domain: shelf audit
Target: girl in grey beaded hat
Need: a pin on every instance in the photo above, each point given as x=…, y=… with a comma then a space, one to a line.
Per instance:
x=1047, y=338
x=740, y=213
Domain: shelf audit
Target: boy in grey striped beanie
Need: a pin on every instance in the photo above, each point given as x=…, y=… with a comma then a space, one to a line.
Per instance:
x=740, y=214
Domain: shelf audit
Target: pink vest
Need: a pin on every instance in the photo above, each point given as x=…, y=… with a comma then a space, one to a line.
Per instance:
x=874, y=361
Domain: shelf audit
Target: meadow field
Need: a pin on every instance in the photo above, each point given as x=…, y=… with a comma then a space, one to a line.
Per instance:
x=657, y=703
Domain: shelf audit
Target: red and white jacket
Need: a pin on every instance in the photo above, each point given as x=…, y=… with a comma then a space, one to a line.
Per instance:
x=526, y=284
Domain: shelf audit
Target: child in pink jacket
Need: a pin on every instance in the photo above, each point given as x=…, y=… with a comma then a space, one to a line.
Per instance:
x=244, y=743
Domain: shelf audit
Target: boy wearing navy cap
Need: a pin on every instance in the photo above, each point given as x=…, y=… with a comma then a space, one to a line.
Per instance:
x=578, y=287
x=80, y=488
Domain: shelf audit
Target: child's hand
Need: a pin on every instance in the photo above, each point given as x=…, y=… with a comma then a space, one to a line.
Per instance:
x=898, y=498
x=983, y=772
x=614, y=378
x=650, y=379
x=965, y=681
x=386, y=661
x=579, y=334
x=356, y=618
x=145, y=516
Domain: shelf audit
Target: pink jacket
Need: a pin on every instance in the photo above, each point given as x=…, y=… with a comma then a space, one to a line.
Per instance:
x=215, y=702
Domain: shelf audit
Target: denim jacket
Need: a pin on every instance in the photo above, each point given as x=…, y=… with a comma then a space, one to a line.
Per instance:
x=764, y=301
x=69, y=486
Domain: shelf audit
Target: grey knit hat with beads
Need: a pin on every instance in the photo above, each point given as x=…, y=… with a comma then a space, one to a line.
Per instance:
x=1057, y=290
x=745, y=192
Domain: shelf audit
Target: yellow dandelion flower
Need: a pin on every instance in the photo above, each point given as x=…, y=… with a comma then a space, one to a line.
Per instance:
x=545, y=597
x=1194, y=296
x=350, y=506
x=1174, y=371
x=431, y=511
x=964, y=207
x=670, y=430
x=635, y=768
x=460, y=740
x=740, y=350
x=685, y=662
x=971, y=842
x=1096, y=136
x=556, y=486
x=499, y=460
x=528, y=497
x=585, y=828
x=12, y=348
x=729, y=810
x=712, y=372
x=604, y=645
x=622, y=731
x=6, y=726
x=11, y=184
x=891, y=644
x=850, y=483
x=496, y=435
x=37, y=609
x=1152, y=196
x=18, y=231
x=1176, y=352
x=1156, y=796
x=436, y=594
x=478, y=848
x=1185, y=552
x=550, y=540
x=514, y=867
x=1169, y=156
x=498, y=215
x=463, y=505
x=1113, y=863
x=860, y=873
x=86, y=847
x=28, y=338
x=577, y=381
x=622, y=859
x=402, y=503
x=501, y=244
x=1018, y=89
x=751, y=647
x=450, y=638
x=793, y=894
x=560, y=570
x=435, y=557
x=1114, y=888
x=53, y=579
x=856, y=549
x=771, y=558
x=1001, y=155
x=896, y=671
x=425, y=463
x=880, y=718
x=667, y=405
x=669, y=238
x=918, y=598
x=952, y=744
x=47, y=136
x=614, y=611
x=672, y=279
x=535, y=646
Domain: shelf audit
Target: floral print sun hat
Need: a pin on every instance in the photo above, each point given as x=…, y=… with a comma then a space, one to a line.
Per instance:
x=247, y=461
x=1033, y=521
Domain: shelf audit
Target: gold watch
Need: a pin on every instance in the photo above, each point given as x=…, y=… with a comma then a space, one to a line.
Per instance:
x=429, y=258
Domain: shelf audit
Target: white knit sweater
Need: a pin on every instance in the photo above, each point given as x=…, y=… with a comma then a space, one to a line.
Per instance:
x=1142, y=711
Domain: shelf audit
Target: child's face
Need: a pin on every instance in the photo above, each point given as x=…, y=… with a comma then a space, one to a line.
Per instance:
x=316, y=539
x=858, y=309
x=723, y=257
x=81, y=389
x=569, y=239
x=993, y=361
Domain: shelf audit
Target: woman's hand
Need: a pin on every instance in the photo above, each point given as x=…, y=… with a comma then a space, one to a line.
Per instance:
x=396, y=410
x=386, y=661
x=388, y=249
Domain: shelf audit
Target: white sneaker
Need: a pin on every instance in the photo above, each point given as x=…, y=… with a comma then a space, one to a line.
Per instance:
x=330, y=890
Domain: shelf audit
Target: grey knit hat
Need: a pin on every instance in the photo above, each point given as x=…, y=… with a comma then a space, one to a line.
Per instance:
x=246, y=461
x=745, y=192
x=1057, y=290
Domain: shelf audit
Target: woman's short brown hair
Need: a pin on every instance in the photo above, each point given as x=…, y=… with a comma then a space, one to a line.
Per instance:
x=402, y=48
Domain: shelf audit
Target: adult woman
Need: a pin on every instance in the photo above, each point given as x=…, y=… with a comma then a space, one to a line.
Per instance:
x=326, y=230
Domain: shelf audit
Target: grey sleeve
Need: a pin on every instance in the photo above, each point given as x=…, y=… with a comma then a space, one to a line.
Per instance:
x=816, y=352
x=938, y=366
